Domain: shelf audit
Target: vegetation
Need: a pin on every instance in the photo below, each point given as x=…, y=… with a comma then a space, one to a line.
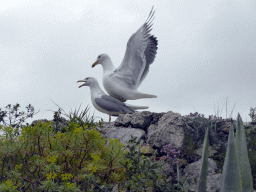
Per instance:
x=44, y=157
x=53, y=157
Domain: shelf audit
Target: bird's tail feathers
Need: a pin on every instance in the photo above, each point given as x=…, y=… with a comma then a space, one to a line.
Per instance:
x=150, y=96
x=135, y=107
x=140, y=95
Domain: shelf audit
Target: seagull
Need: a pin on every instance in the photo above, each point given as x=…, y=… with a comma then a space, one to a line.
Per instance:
x=122, y=83
x=105, y=103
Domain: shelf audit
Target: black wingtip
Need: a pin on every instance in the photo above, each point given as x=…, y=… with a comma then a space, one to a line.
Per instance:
x=154, y=40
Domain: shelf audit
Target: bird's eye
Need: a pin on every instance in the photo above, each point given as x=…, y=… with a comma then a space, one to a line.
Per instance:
x=98, y=56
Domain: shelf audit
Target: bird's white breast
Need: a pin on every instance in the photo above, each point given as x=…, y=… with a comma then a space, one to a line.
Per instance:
x=111, y=87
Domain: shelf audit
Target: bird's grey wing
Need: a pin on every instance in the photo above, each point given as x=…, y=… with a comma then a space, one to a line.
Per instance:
x=140, y=53
x=112, y=104
x=112, y=100
x=150, y=54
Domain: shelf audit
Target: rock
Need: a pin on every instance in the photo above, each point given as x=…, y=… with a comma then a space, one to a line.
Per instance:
x=58, y=126
x=124, y=134
x=200, y=151
x=115, y=189
x=39, y=120
x=168, y=130
x=193, y=170
x=253, y=123
x=147, y=150
x=140, y=120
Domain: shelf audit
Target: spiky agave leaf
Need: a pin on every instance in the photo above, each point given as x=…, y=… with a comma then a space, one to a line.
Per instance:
x=204, y=165
x=180, y=180
x=231, y=178
x=245, y=168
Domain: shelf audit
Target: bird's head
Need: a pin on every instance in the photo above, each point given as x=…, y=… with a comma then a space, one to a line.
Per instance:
x=88, y=81
x=101, y=59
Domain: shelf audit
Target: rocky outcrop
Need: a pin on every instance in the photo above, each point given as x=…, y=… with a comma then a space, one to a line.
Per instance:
x=155, y=130
x=193, y=170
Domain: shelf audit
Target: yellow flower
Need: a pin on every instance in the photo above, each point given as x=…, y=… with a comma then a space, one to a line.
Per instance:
x=10, y=184
x=93, y=134
x=78, y=130
x=21, y=138
x=52, y=159
x=94, y=169
x=18, y=166
x=95, y=157
x=59, y=134
x=90, y=167
x=70, y=185
x=51, y=176
x=66, y=177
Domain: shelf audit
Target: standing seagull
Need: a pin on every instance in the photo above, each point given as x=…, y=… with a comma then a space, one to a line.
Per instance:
x=123, y=82
x=105, y=103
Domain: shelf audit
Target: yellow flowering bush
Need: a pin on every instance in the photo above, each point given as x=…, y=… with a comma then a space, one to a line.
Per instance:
x=58, y=160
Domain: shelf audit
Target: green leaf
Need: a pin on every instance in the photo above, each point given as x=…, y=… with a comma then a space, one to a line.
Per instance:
x=231, y=178
x=245, y=168
x=204, y=165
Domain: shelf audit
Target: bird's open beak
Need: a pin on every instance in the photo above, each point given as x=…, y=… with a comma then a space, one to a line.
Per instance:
x=95, y=63
x=82, y=84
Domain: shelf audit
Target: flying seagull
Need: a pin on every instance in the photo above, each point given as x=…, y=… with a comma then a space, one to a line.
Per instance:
x=105, y=103
x=122, y=83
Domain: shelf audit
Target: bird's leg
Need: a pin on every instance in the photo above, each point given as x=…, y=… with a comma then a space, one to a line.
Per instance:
x=109, y=118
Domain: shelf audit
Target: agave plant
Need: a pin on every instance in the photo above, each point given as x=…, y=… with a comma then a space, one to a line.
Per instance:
x=236, y=174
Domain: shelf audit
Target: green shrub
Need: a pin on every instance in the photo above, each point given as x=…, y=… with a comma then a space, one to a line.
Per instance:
x=41, y=159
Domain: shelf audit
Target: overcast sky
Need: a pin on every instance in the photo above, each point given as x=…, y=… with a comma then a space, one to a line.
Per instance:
x=206, y=53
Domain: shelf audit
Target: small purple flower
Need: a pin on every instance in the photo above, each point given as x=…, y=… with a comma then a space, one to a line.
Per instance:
x=169, y=150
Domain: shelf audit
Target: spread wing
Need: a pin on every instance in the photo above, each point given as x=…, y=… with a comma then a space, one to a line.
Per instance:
x=140, y=53
x=112, y=104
